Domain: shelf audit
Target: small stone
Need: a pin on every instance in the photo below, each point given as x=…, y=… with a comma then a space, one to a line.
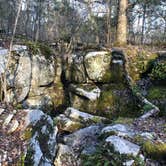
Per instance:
x=1, y=110
x=7, y=120
x=128, y=163
x=147, y=135
x=14, y=126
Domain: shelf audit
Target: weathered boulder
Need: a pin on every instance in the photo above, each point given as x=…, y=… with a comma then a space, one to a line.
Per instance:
x=83, y=139
x=78, y=74
x=97, y=66
x=28, y=133
x=84, y=97
x=119, y=130
x=43, y=71
x=123, y=146
x=33, y=80
x=74, y=70
x=83, y=117
x=73, y=120
x=66, y=124
x=19, y=74
x=66, y=156
x=42, y=144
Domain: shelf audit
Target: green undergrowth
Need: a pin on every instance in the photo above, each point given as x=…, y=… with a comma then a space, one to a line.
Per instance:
x=157, y=92
x=40, y=48
x=159, y=71
x=105, y=155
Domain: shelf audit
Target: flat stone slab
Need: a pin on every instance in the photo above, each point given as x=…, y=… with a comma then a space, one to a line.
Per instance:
x=123, y=146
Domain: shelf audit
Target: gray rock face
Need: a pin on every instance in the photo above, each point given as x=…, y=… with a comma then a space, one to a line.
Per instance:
x=43, y=71
x=33, y=136
x=97, y=65
x=83, y=138
x=83, y=141
x=42, y=145
x=119, y=130
x=83, y=117
x=73, y=120
x=123, y=146
x=66, y=156
x=78, y=74
x=84, y=97
x=19, y=76
x=66, y=124
x=32, y=79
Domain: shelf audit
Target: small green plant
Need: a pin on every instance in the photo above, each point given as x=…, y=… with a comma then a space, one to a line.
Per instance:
x=105, y=155
x=157, y=92
x=40, y=48
x=159, y=71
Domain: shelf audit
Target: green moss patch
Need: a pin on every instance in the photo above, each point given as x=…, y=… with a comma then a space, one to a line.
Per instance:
x=40, y=48
x=155, y=151
x=157, y=92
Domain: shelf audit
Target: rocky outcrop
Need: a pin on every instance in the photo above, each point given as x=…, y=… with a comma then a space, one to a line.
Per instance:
x=34, y=80
x=103, y=88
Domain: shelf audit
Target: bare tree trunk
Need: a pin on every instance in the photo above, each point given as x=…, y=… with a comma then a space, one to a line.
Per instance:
x=4, y=79
x=122, y=23
x=143, y=24
x=108, y=22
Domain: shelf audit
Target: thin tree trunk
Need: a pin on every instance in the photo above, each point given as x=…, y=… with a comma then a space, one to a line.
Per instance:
x=108, y=22
x=4, y=82
x=122, y=23
x=143, y=24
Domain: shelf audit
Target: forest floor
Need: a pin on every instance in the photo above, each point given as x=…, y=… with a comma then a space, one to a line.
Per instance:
x=12, y=144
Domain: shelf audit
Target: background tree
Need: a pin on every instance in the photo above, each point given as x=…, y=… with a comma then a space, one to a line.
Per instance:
x=122, y=23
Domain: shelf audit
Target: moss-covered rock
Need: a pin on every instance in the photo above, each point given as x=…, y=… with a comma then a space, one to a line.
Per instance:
x=155, y=151
x=116, y=100
x=97, y=65
x=138, y=61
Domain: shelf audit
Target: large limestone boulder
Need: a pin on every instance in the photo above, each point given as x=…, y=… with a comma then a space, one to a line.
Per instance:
x=83, y=141
x=119, y=130
x=43, y=71
x=42, y=144
x=78, y=74
x=30, y=134
x=97, y=66
x=19, y=74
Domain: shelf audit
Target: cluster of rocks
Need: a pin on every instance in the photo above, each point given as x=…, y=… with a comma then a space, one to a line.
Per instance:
x=93, y=87
x=96, y=83
x=125, y=139
x=32, y=80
